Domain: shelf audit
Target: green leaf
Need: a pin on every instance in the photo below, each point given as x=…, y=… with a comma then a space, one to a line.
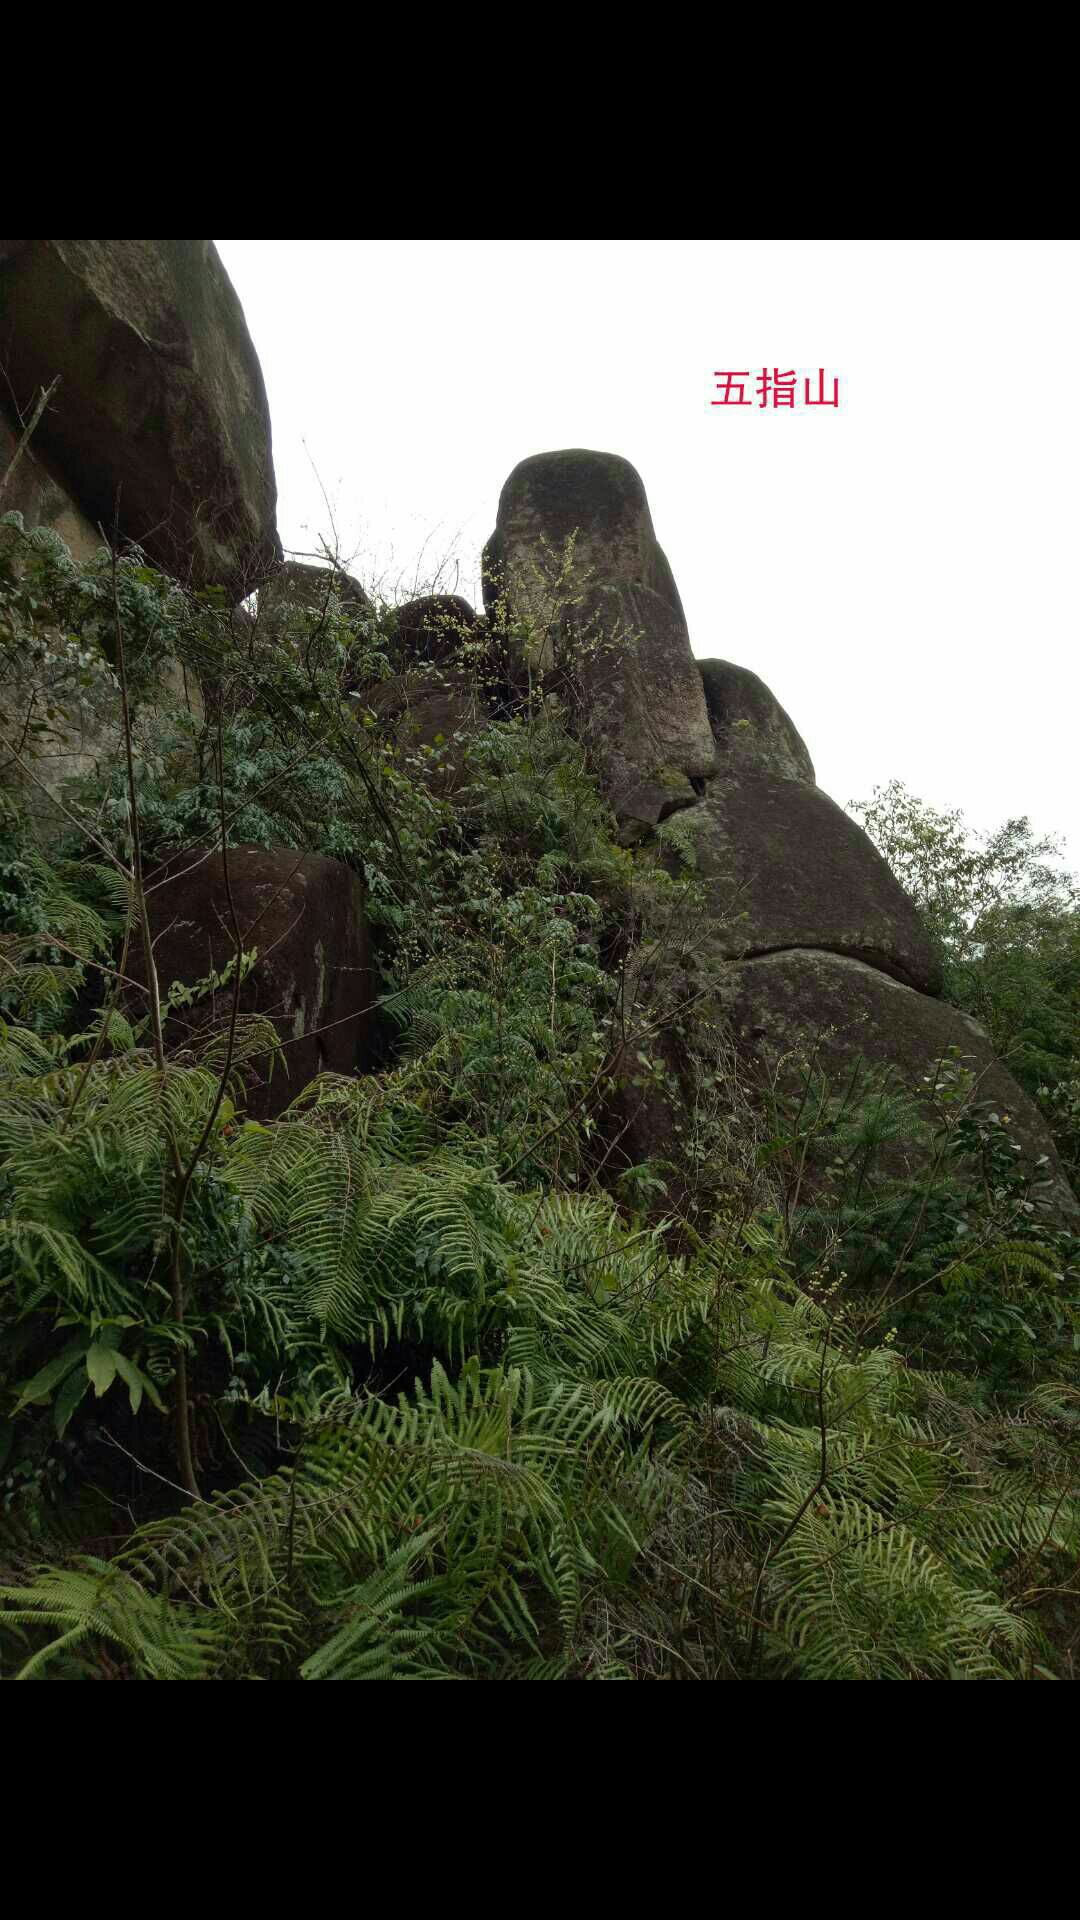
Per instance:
x=101, y=1366
x=42, y=1384
x=138, y=1383
x=109, y=1333
x=68, y=1398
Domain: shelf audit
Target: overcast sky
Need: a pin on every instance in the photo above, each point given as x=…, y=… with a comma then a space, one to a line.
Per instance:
x=901, y=570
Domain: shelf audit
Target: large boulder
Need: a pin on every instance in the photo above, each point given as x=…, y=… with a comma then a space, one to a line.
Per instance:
x=786, y=867
x=313, y=978
x=597, y=500
x=433, y=628
x=431, y=716
x=299, y=605
x=60, y=705
x=831, y=1013
x=782, y=1024
x=161, y=414
x=753, y=734
x=82, y=707
x=639, y=701
x=575, y=564
x=294, y=587
x=435, y=706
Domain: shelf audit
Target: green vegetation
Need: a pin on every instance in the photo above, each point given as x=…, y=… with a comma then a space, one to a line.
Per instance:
x=422, y=1378
x=1004, y=917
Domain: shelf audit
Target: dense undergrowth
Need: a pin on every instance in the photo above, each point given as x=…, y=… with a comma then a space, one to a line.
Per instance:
x=421, y=1379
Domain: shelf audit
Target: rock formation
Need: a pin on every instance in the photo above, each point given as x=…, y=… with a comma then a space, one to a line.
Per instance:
x=430, y=717
x=303, y=915
x=430, y=630
x=431, y=706
x=160, y=419
x=294, y=587
x=811, y=951
x=790, y=1008
x=434, y=705
x=753, y=734
x=160, y=426
x=574, y=561
x=787, y=868
x=35, y=490
x=595, y=500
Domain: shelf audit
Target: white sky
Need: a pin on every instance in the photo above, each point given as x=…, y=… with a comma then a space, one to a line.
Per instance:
x=902, y=572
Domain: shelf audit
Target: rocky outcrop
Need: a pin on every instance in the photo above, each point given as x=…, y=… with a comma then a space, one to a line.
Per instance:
x=304, y=915
x=30, y=485
x=752, y=732
x=597, y=500
x=432, y=629
x=159, y=426
x=431, y=717
x=160, y=419
x=786, y=867
x=433, y=707
x=296, y=587
x=59, y=696
x=830, y=1012
x=575, y=562
x=640, y=702
x=808, y=940
x=299, y=606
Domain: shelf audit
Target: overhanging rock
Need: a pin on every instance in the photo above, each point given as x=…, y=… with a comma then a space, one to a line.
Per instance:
x=160, y=420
